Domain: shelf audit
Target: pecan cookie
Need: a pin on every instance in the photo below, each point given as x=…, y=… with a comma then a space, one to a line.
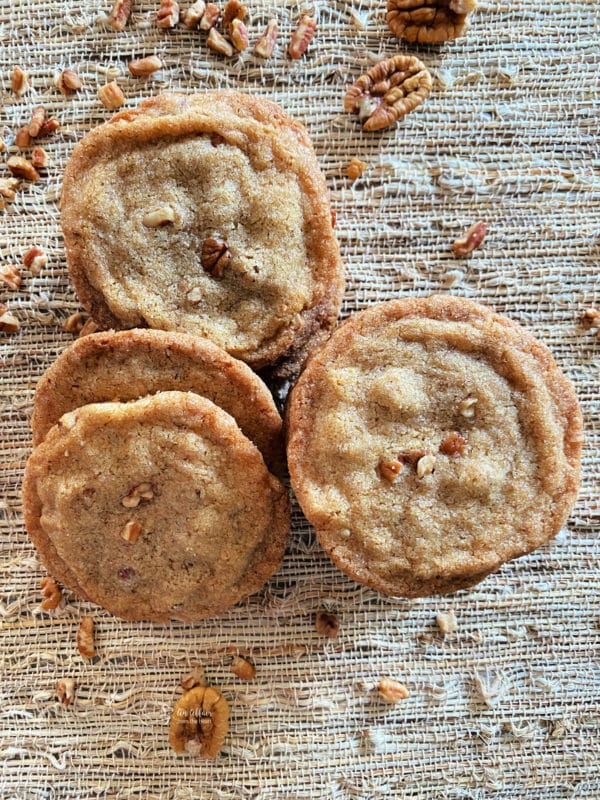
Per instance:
x=206, y=214
x=156, y=509
x=126, y=365
x=430, y=440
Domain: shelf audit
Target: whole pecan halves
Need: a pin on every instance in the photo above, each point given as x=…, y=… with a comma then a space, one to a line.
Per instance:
x=428, y=21
x=200, y=722
x=388, y=91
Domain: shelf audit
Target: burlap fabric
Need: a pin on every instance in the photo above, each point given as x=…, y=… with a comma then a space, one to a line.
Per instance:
x=507, y=707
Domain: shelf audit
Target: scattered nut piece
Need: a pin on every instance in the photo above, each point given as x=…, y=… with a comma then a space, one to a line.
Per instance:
x=85, y=638
x=21, y=168
x=466, y=407
x=8, y=188
x=159, y=217
x=142, y=67
x=167, y=15
x=2, y=146
x=68, y=81
x=131, y=532
x=591, y=316
x=219, y=43
x=446, y=621
x=333, y=217
x=91, y=326
x=11, y=276
x=356, y=167
x=327, y=624
x=239, y=35
x=51, y=594
x=142, y=491
x=215, y=256
x=211, y=15
x=22, y=137
x=35, y=260
x=428, y=21
x=302, y=36
x=392, y=691
x=49, y=126
x=39, y=158
x=234, y=9
x=65, y=691
x=472, y=239
x=194, y=296
x=388, y=91
x=19, y=81
x=243, y=668
x=38, y=117
x=8, y=322
x=266, y=44
x=194, y=678
x=120, y=14
x=200, y=722
x=111, y=95
x=453, y=444
x=412, y=456
x=192, y=17
x=74, y=323
x=390, y=469
x=425, y=465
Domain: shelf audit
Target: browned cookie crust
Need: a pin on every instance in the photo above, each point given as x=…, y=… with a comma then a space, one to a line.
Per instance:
x=226, y=167
x=429, y=441
x=156, y=509
x=127, y=365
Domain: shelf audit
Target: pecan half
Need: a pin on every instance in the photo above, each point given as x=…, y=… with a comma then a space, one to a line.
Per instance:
x=302, y=36
x=65, y=691
x=266, y=44
x=211, y=16
x=120, y=14
x=392, y=691
x=192, y=17
x=19, y=81
x=85, y=638
x=218, y=43
x=327, y=624
x=142, y=67
x=51, y=593
x=68, y=81
x=35, y=260
x=215, y=256
x=428, y=21
x=243, y=668
x=167, y=15
x=471, y=240
x=10, y=275
x=388, y=91
x=200, y=722
x=453, y=444
x=111, y=95
x=21, y=168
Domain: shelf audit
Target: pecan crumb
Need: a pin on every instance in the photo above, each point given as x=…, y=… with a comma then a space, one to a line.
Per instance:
x=65, y=691
x=327, y=624
x=194, y=296
x=192, y=17
x=142, y=67
x=120, y=14
x=425, y=465
x=111, y=95
x=89, y=327
x=21, y=168
x=234, y=9
x=392, y=691
x=239, y=35
x=131, y=532
x=35, y=260
x=142, y=491
x=243, y=668
x=49, y=126
x=390, y=469
x=19, y=81
x=471, y=240
x=51, y=593
x=333, y=217
x=453, y=444
x=211, y=15
x=302, y=36
x=8, y=188
x=466, y=407
x=591, y=317
x=38, y=117
x=217, y=42
x=215, y=256
x=22, y=137
x=85, y=638
x=68, y=81
x=11, y=276
x=8, y=322
x=199, y=722
x=74, y=323
x=194, y=678
x=266, y=44
x=39, y=158
x=355, y=169
x=446, y=621
x=167, y=15
x=159, y=217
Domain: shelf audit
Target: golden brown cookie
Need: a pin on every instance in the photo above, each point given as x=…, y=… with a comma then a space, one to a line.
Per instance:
x=206, y=214
x=127, y=365
x=156, y=509
x=430, y=440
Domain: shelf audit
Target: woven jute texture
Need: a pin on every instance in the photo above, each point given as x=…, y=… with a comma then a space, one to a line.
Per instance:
x=509, y=705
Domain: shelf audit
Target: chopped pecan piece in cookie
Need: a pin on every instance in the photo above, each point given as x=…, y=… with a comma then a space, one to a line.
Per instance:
x=425, y=465
x=302, y=37
x=139, y=492
x=11, y=276
x=167, y=15
x=215, y=256
x=51, y=594
x=243, y=668
x=131, y=532
x=390, y=469
x=159, y=217
x=85, y=638
x=388, y=91
x=266, y=44
x=327, y=624
x=472, y=239
x=200, y=722
x=392, y=691
x=453, y=444
x=428, y=21
x=120, y=14
x=65, y=691
x=466, y=407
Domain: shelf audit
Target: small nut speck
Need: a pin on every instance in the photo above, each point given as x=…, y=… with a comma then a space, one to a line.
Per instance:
x=142, y=491
x=85, y=638
x=453, y=444
x=471, y=240
x=159, y=217
x=392, y=691
x=390, y=469
x=244, y=669
x=466, y=407
x=11, y=276
x=327, y=624
x=425, y=465
x=131, y=532
x=65, y=691
x=356, y=168
x=51, y=594
x=446, y=621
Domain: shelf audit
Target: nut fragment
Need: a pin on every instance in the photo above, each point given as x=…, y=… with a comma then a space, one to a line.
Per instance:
x=453, y=444
x=266, y=44
x=194, y=296
x=390, y=469
x=193, y=15
x=74, y=323
x=49, y=126
x=39, y=158
x=111, y=95
x=219, y=43
x=22, y=137
x=466, y=407
x=333, y=217
x=85, y=638
x=211, y=15
x=10, y=275
x=120, y=14
x=142, y=491
x=8, y=322
x=51, y=594
x=327, y=624
x=142, y=67
x=472, y=239
x=234, y=9
x=239, y=35
x=21, y=168
x=388, y=91
x=243, y=668
x=392, y=691
x=167, y=15
x=159, y=217
x=215, y=256
x=19, y=81
x=425, y=465
x=68, y=81
x=302, y=36
x=65, y=691
x=446, y=621
x=8, y=188
x=200, y=722
x=38, y=117
x=131, y=532
x=355, y=169
x=194, y=678
x=428, y=21
x=89, y=327
x=591, y=316
x=35, y=260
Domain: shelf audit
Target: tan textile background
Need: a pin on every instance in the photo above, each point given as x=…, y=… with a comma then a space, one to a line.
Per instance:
x=509, y=134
